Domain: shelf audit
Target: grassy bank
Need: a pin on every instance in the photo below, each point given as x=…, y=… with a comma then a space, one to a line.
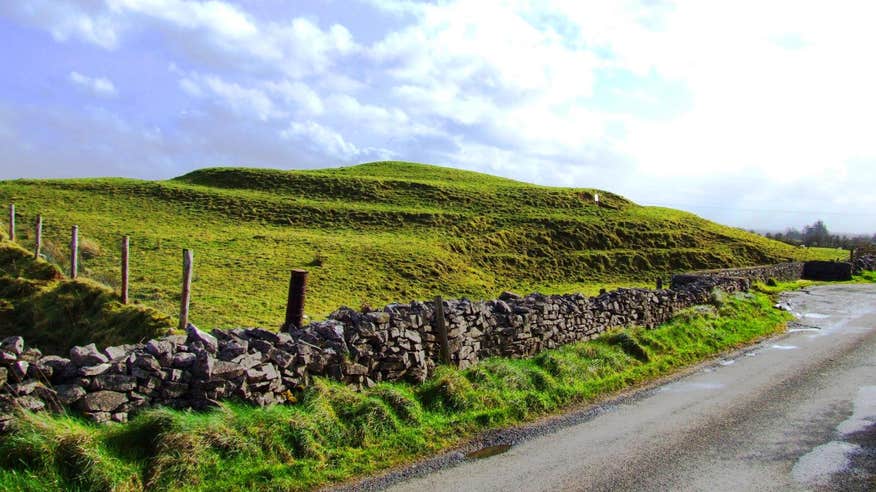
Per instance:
x=334, y=433
x=53, y=313
x=369, y=234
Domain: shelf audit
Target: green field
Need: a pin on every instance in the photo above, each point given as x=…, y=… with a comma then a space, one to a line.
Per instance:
x=369, y=234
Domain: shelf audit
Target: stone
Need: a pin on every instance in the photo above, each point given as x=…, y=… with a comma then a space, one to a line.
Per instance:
x=114, y=382
x=51, y=364
x=115, y=353
x=103, y=401
x=378, y=317
x=120, y=417
x=195, y=335
x=174, y=375
x=24, y=388
x=227, y=370
x=254, y=375
x=162, y=350
x=281, y=358
x=87, y=356
x=90, y=371
x=4, y=375
x=18, y=370
x=262, y=334
x=248, y=361
x=30, y=403
x=176, y=340
x=262, y=346
x=203, y=366
x=355, y=369
x=173, y=390
x=233, y=348
x=510, y=296
x=148, y=363
x=7, y=357
x=31, y=355
x=182, y=360
x=14, y=345
x=270, y=371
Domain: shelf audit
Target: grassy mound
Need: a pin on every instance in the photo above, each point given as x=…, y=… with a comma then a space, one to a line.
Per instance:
x=54, y=314
x=369, y=234
x=335, y=433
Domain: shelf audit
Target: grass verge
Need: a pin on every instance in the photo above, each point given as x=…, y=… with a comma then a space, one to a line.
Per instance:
x=53, y=313
x=335, y=433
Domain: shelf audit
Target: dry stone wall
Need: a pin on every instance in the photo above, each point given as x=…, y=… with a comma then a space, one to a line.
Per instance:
x=399, y=342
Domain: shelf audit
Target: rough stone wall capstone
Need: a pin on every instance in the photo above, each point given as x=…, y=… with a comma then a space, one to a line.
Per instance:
x=399, y=342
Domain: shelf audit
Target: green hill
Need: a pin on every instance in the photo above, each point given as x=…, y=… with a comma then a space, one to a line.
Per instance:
x=373, y=233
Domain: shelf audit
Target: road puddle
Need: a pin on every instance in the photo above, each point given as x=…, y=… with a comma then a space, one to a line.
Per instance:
x=816, y=466
x=488, y=451
x=784, y=347
x=816, y=316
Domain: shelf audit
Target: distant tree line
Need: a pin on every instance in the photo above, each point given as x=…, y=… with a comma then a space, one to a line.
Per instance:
x=817, y=234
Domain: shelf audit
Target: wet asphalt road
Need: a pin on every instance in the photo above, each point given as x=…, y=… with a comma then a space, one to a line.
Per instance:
x=796, y=413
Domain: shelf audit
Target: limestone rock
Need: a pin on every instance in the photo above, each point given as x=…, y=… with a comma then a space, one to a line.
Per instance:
x=197, y=336
x=14, y=345
x=102, y=401
x=87, y=356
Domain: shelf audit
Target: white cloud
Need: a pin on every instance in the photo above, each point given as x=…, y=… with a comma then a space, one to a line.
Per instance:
x=245, y=101
x=67, y=20
x=214, y=32
x=685, y=101
x=99, y=86
x=298, y=94
x=322, y=139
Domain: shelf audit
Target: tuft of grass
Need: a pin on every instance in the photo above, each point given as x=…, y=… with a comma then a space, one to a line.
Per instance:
x=335, y=433
x=866, y=277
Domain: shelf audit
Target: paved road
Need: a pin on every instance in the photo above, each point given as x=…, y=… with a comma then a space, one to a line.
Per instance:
x=797, y=413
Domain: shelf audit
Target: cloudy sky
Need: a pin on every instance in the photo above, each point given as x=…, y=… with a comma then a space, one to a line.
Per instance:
x=756, y=114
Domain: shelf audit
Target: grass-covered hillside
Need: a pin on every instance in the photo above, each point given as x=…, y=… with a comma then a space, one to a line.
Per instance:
x=368, y=234
x=55, y=313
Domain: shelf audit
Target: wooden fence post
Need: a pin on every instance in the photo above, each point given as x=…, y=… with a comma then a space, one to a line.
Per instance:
x=659, y=284
x=38, y=237
x=12, y=222
x=295, y=301
x=74, y=252
x=126, y=243
x=441, y=326
x=188, y=262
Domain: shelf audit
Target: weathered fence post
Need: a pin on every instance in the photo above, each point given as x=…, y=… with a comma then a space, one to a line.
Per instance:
x=295, y=301
x=12, y=222
x=659, y=284
x=441, y=326
x=126, y=242
x=74, y=252
x=38, y=237
x=852, y=254
x=186, y=289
